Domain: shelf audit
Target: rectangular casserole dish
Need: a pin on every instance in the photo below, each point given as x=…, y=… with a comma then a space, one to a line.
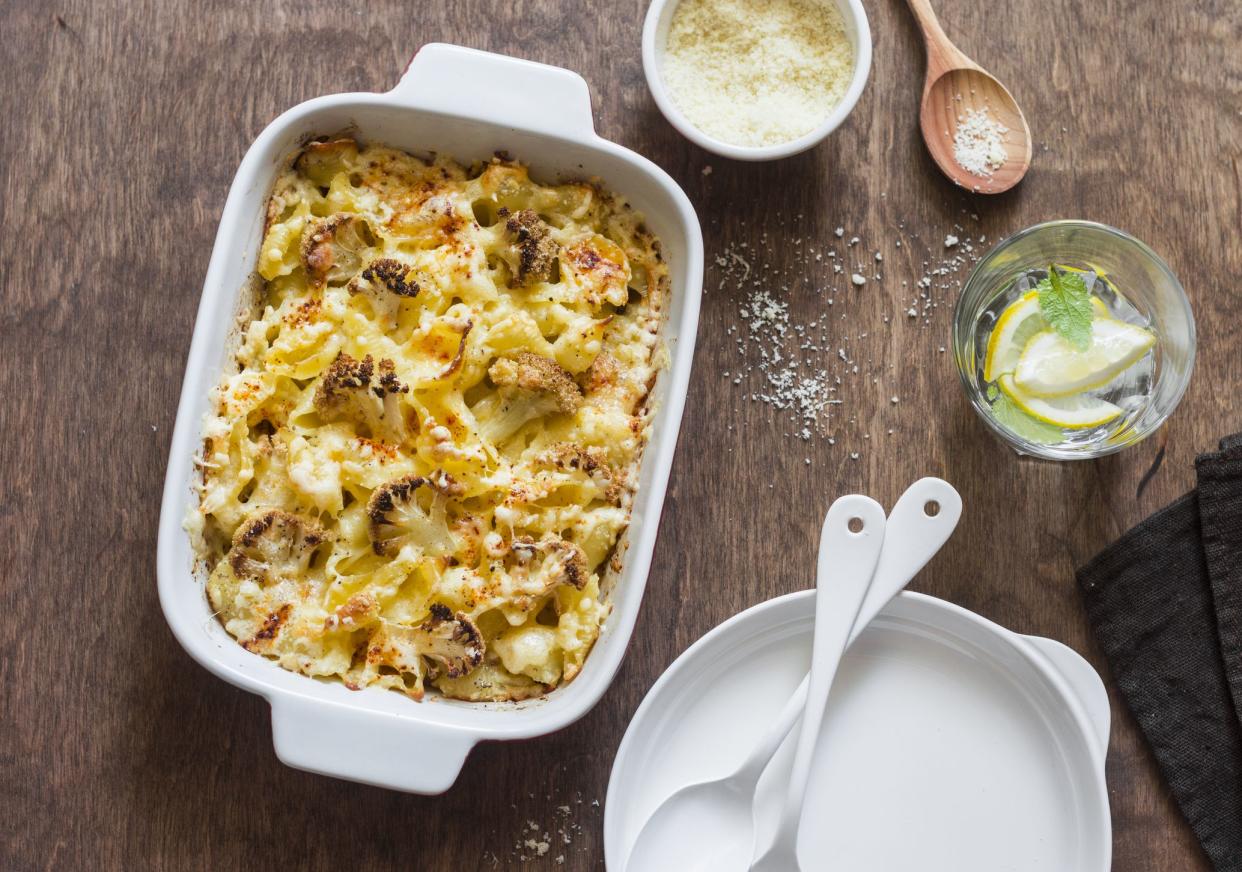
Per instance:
x=466, y=104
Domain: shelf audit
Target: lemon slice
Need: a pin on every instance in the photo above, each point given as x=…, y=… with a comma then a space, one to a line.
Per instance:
x=1075, y=412
x=1017, y=324
x=1052, y=367
x=1019, y=321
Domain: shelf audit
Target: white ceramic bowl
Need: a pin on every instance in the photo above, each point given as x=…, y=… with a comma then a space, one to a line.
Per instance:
x=467, y=104
x=950, y=744
x=655, y=32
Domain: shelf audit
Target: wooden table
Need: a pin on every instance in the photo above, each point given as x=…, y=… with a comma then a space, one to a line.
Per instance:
x=124, y=123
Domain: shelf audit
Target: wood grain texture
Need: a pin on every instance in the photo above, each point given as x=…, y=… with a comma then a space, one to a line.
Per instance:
x=124, y=123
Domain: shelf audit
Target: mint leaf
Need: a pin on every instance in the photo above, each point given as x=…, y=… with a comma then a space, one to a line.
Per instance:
x=1012, y=418
x=1065, y=303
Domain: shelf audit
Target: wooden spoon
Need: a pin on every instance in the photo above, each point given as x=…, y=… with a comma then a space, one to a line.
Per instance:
x=956, y=85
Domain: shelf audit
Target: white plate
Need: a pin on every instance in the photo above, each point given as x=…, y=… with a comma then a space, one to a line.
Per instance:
x=950, y=743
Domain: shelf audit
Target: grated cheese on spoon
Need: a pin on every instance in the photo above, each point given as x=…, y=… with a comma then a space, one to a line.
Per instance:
x=978, y=143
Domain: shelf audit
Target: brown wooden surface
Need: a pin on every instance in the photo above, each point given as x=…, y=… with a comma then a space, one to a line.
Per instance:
x=123, y=125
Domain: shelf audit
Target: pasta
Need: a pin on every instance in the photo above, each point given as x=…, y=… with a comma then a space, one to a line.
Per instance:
x=420, y=473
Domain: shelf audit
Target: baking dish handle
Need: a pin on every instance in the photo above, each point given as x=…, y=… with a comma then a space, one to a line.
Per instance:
x=329, y=738
x=515, y=93
x=1086, y=684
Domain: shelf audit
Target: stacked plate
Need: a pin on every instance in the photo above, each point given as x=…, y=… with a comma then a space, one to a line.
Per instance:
x=949, y=744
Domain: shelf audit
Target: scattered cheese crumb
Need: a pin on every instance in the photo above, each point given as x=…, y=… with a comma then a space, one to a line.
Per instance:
x=792, y=352
x=950, y=241
x=858, y=280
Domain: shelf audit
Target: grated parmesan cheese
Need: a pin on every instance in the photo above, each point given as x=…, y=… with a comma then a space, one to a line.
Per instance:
x=757, y=72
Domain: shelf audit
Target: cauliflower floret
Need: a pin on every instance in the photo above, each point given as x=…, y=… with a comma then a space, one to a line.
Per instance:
x=534, y=249
x=530, y=386
x=274, y=546
x=334, y=248
x=530, y=570
x=586, y=466
x=451, y=642
x=353, y=390
x=257, y=585
x=314, y=467
x=385, y=283
x=411, y=511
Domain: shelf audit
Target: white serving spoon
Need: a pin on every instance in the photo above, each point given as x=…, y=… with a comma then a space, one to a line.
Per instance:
x=719, y=813
x=833, y=631
x=849, y=550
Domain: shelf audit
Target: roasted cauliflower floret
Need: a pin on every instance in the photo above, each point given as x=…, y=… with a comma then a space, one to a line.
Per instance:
x=451, y=642
x=534, y=248
x=602, y=374
x=385, y=283
x=259, y=583
x=334, y=248
x=535, y=374
x=530, y=386
x=274, y=546
x=585, y=468
x=411, y=511
x=386, y=274
x=525, y=571
x=367, y=395
x=563, y=563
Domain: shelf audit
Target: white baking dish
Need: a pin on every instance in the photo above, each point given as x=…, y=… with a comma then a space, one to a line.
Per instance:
x=467, y=104
x=950, y=744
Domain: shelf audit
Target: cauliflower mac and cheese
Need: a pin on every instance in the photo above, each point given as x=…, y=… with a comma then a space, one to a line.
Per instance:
x=421, y=470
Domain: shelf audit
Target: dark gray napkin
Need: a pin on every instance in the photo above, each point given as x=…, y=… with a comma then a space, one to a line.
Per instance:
x=1165, y=601
x=1220, y=515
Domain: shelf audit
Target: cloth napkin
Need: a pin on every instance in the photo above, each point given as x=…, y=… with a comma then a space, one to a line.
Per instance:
x=1165, y=601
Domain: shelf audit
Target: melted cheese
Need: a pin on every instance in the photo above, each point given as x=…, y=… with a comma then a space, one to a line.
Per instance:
x=501, y=267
